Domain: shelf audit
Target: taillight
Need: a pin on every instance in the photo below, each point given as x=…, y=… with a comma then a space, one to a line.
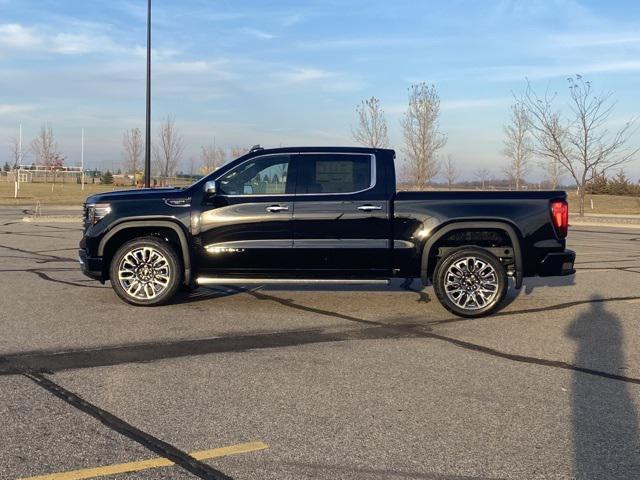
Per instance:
x=560, y=216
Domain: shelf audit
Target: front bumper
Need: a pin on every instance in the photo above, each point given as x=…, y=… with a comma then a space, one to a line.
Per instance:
x=91, y=266
x=557, y=264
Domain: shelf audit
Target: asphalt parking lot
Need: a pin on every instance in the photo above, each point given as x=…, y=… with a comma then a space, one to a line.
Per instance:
x=296, y=383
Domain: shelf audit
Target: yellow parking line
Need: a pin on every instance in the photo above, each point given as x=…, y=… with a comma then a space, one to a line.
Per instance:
x=150, y=463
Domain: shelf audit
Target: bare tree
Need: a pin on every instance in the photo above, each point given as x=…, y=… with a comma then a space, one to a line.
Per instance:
x=211, y=158
x=14, y=152
x=372, y=125
x=192, y=166
x=518, y=145
x=45, y=147
x=549, y=143
x=133, y=150
x=482, y=174
x=581, y=143
x=168, y=152
x=422, y=135
x=238, y=151
x=451, y=171
x=554, y=171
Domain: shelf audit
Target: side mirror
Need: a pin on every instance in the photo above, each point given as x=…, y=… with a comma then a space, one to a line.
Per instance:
x=210, y=187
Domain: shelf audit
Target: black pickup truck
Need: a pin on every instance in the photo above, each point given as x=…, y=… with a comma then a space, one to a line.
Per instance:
x=322, y=215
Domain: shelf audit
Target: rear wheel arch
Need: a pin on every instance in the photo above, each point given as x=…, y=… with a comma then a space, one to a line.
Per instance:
x=428, y=261
x=127, y=230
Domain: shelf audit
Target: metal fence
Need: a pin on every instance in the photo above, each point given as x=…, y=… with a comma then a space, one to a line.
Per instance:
x=75, y=176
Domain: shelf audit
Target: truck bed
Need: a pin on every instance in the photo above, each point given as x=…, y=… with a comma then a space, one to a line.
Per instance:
x=420, y=214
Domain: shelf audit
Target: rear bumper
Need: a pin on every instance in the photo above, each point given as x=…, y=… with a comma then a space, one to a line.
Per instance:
x=557, y=264
x=90, y=266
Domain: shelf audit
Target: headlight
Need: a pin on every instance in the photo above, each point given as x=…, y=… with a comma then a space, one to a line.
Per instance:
x=96, y=212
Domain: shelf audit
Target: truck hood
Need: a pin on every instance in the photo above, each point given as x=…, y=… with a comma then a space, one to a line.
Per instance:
x=137, y=194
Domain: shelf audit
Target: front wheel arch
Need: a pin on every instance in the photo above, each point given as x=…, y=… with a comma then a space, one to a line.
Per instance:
x=140, y=228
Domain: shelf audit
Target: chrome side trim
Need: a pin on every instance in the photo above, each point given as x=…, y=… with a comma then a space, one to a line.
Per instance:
x=178, y=202
x=317, y=243
x=399, y=244
x=288, y=281
x=340, y=243
x=244, y=244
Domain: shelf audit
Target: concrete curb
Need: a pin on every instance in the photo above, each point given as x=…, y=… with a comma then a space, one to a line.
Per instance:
x=603, y=224
x=52, y=219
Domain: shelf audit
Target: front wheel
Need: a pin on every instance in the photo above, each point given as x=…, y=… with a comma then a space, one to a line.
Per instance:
x=470, y=282
x=145, y=272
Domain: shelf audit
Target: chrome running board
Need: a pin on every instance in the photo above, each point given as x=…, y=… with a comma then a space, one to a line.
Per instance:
x=288, y=281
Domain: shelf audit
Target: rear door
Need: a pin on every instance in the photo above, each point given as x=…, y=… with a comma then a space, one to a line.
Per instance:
x=341, y=224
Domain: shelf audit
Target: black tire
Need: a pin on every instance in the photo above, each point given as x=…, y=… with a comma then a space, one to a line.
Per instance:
x=192, y=287
x=166, y=265
x=474, y=286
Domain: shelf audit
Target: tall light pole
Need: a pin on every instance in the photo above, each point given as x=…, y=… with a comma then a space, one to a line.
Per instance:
x=147, y=150
x=16, y=169
x=82, y=158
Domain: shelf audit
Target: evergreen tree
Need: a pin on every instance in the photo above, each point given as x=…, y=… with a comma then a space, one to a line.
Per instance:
x=620, y=185
x=107, y=178
x=599, y=185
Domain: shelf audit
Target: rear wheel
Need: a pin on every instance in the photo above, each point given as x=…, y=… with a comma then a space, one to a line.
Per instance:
x=146, y=272
x=470, y=282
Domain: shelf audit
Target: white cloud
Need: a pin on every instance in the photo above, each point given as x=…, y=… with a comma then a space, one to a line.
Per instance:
x=11, y=109
x=318, y=78
x=290, y=20
x=16, y=36
x=195, y=67
x=451, y=105
x=261, y=34
x=468, y=104
x=157, y=54
x=78, y=44
x=305, y=75
x=536, y=72
x=364, y=42
x=580, y=40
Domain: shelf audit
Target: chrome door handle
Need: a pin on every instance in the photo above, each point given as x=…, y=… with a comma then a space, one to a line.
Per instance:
x=276, y=208
x=369, y=208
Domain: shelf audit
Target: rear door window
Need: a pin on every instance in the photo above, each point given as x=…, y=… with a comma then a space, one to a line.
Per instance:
x=335, y=173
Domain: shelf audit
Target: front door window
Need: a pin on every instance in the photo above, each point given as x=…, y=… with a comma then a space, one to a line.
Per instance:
x=259, y=176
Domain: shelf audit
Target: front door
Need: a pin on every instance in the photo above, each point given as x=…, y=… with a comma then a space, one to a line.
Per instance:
x=341, y=223
x=246, y=226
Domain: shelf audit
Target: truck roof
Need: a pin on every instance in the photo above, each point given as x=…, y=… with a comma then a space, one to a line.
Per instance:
x=325, y=149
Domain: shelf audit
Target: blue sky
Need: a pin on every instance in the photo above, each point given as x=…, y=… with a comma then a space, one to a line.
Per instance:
x=291, y=72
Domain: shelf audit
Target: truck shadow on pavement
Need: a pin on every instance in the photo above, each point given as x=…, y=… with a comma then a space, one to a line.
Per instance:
x=530, y=284
x=606, y=437
x=396, y=285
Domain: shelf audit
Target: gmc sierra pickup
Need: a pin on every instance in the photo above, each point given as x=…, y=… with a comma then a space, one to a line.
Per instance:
x=326, y=215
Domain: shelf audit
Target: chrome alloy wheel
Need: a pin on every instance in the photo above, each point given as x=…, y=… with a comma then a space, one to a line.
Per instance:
x=471, y=283
x=144, y=273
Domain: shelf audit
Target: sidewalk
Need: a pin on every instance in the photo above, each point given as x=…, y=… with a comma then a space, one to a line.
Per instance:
x=604, y=219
